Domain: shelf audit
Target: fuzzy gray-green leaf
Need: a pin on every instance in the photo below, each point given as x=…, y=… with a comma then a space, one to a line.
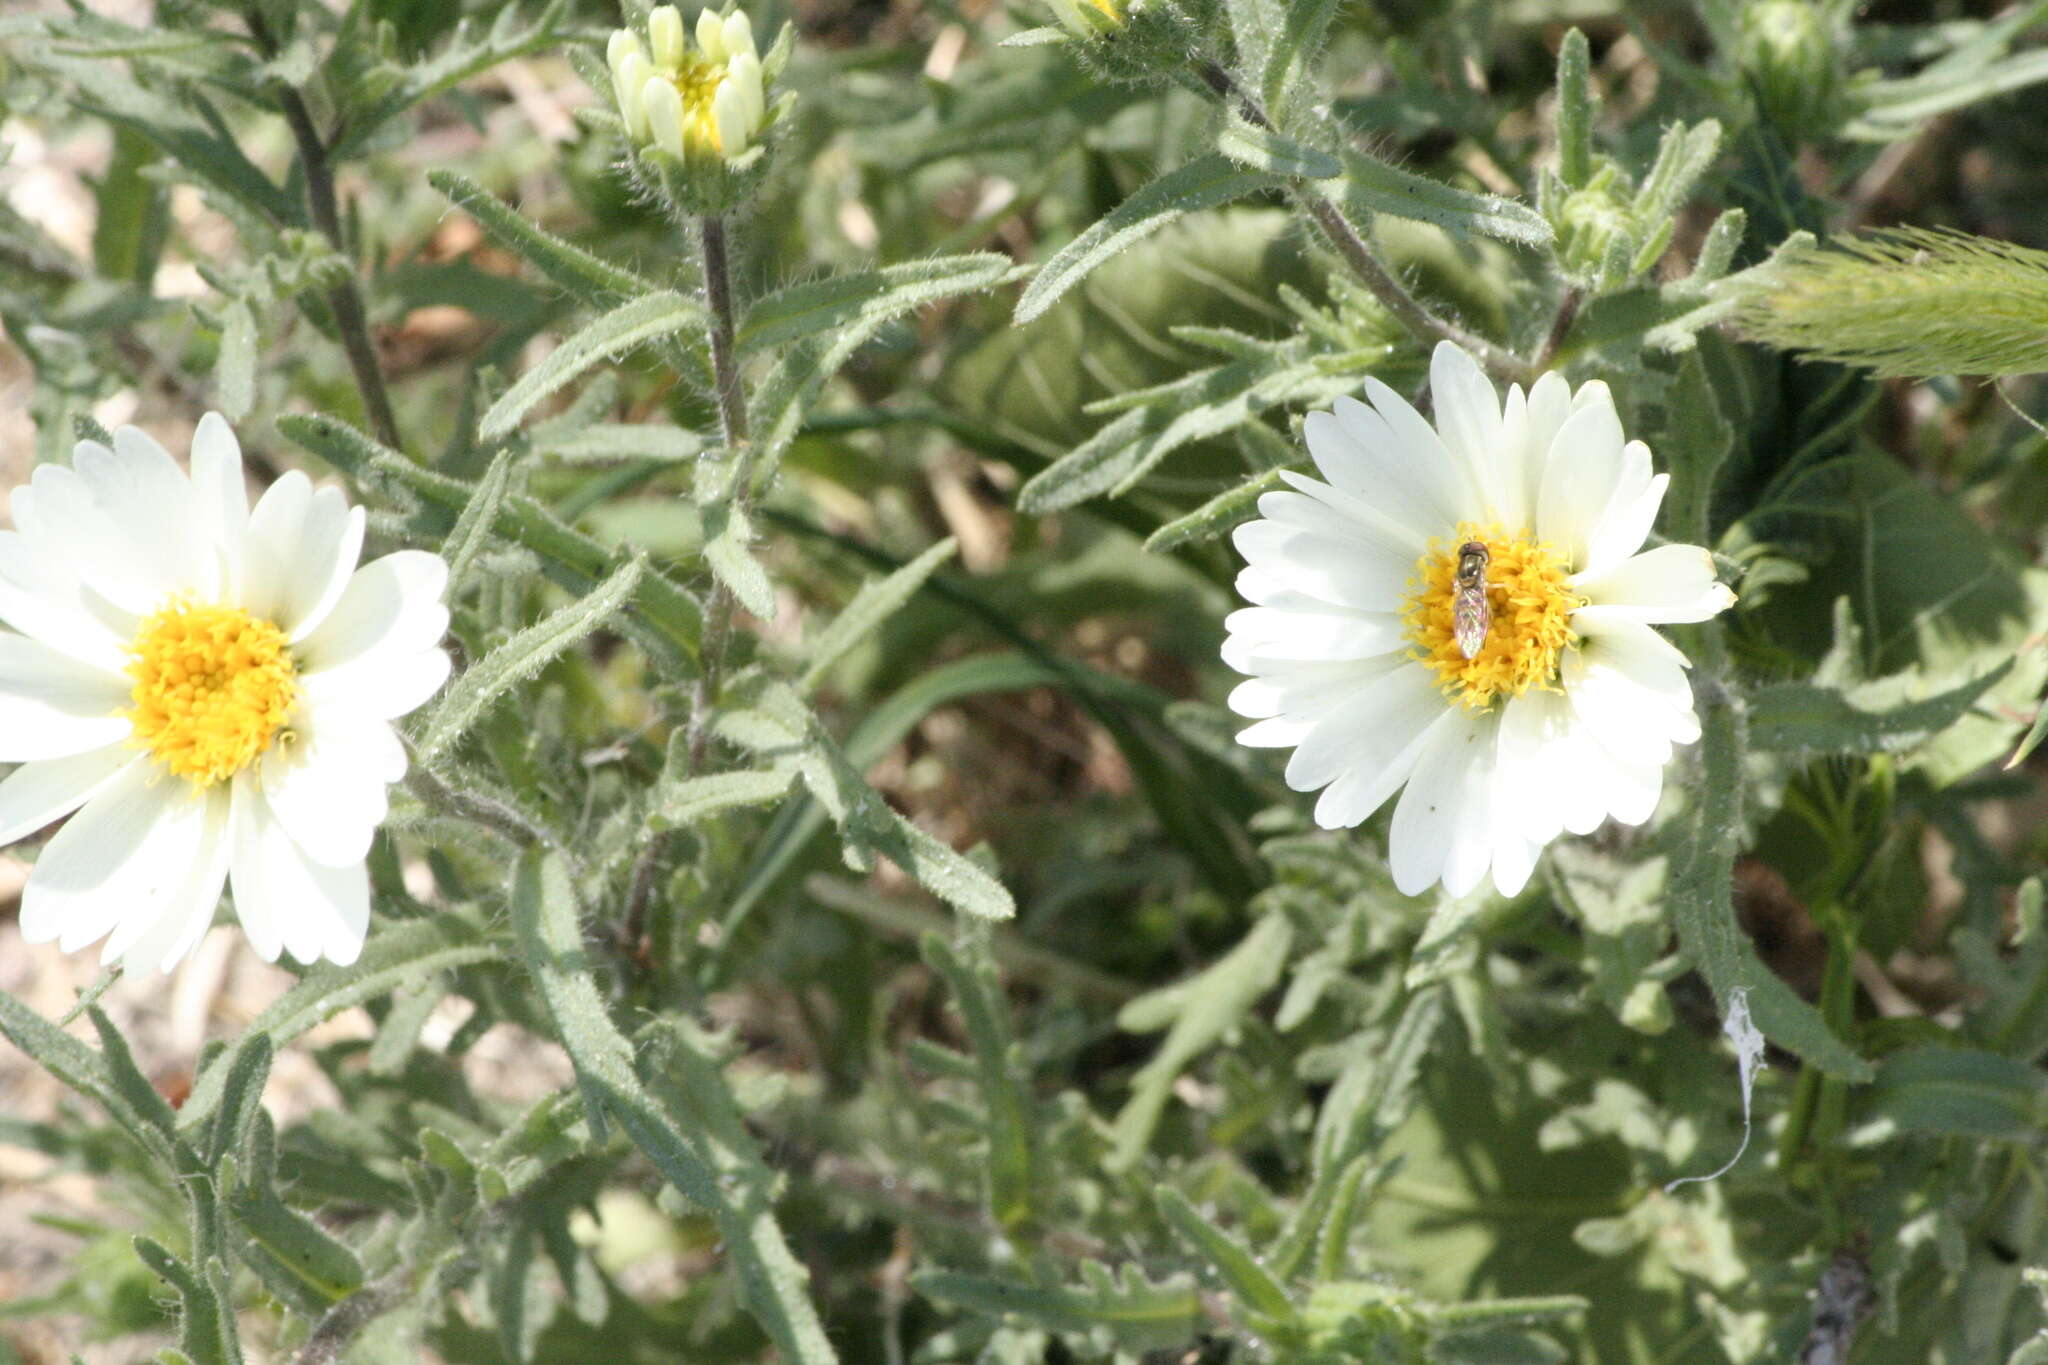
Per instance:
x=1804, y=717
x=877, y=600
x=234, y=370
x=473, y=528
x=1240, y=1269
x=1219, y=516
x=699, y=798
x=607, y=338
x=1372, y=186
x=519, y=658
x=1203, y=183
x=772, y=1281
x=1261, y=149
x=589, y=277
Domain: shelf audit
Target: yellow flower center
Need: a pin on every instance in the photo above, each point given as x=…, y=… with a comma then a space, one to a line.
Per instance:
x=697, y=82
x=213, y=686
x=1529, y=600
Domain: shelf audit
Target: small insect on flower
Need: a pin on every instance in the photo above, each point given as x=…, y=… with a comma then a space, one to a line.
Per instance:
x=1470, y=613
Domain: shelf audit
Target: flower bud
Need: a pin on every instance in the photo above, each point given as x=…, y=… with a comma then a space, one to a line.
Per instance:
x=697, y=112
x=629, y=79
x=1588, y=222
x=743, y=72
x=664, y=115
x=665, y=36
x=729, y=114
x=1789, y=55
x=738, y=34
x=711, y=35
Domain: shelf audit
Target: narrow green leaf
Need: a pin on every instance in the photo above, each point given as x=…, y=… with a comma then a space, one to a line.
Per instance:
x=1805, y=718
x=133, y=215
x=205, y=1325
x=473, y=527
x=81, y=1069
x=180, y=129
x=1897, y=109
x=1684, y=155
x=1703, y=910
x=821, y=306
x=772, y=1281
x=607, y=338
x=519, y=658
x=939, y=869
x=727, y=549
x=603, y=441
x=1137, y=1315
x=1375, y=1092
x=869, y=825
x=1698, y=440
x=234, y=370
x=877, y=600
x=1264, y=150
x=461, y=59
x=141, y=1098
x=2032, y=740
x=398, y=1033
x=779, y=403
x=591, y=278
x=1203, y=183
x=1123, y=451
x=1240, y=1269
x=1961, y=1092
x=1372, y=186
x=1200, y=1011
x=241, y=1098
x=1219, y=516
x=321, y=1266
x=1717, y=252
x=1576, y=108
x=1288, y=79
x=699, y=798
x=1012, y=1186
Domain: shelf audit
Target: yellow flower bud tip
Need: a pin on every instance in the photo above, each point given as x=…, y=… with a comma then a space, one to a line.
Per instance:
x=630, y=79
x=711, y=35
x=664, y=115
x=739, y=34
x=665, y=36
x=729, y=113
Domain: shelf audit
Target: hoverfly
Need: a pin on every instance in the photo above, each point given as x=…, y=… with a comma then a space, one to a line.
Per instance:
x=1470, y=613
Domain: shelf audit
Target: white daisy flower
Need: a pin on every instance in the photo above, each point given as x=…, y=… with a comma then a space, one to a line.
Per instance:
x=1556, y=713
x=211, y=689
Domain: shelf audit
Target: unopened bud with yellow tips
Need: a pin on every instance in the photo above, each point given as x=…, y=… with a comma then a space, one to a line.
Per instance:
x=704, y=105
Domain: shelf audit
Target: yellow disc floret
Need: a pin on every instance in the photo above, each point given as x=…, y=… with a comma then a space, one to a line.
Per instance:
x=1530, y=601
x=213, y=685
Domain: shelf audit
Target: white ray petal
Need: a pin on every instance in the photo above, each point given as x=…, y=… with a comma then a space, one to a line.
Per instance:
x=1667, y=585
x=389, y=606
x=51, y=705
x=39, y=794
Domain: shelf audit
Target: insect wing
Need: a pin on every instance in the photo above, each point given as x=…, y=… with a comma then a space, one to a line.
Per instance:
x=1470, y=613
x=1470, y=618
